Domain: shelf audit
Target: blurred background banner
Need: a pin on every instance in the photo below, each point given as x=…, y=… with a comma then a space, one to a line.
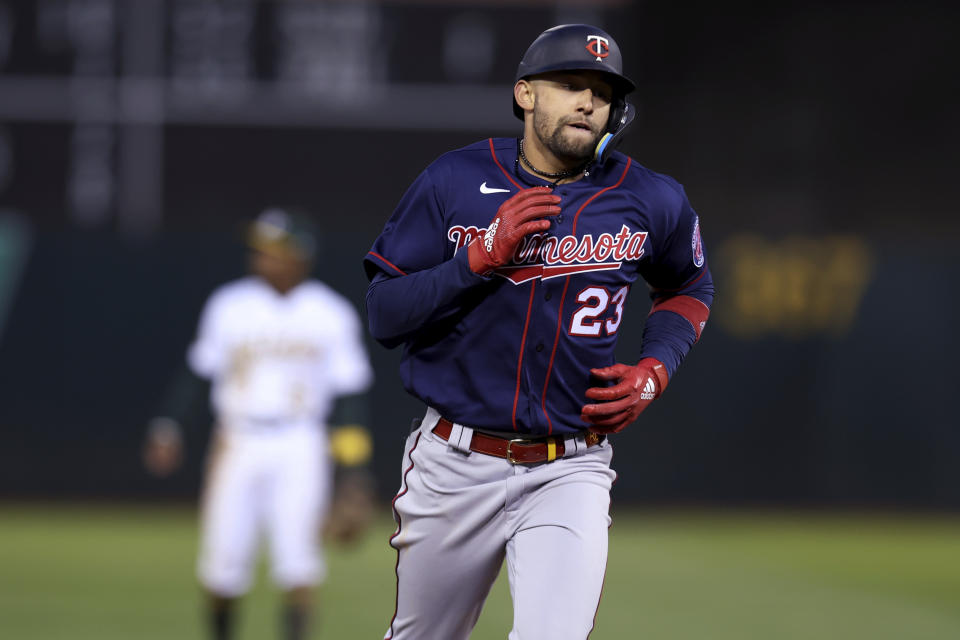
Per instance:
x=817, y=141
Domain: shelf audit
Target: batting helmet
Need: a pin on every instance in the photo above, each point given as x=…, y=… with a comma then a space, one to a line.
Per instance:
x=574, y=47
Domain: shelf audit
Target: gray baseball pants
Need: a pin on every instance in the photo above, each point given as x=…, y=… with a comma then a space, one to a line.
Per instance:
x=460, y=513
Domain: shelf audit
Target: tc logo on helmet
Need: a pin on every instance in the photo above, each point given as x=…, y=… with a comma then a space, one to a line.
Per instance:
x=598, y=46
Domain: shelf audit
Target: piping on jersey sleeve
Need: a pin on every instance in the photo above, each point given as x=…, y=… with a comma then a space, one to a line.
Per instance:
x=383, y=261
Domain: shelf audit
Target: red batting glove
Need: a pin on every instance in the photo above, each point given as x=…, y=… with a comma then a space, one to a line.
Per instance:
x=516, y=218
x=622, y=403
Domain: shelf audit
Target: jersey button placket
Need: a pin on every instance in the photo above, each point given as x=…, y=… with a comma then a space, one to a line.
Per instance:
x=563, y=205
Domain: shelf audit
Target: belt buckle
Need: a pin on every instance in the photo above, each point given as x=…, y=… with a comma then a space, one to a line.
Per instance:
x=510, y=457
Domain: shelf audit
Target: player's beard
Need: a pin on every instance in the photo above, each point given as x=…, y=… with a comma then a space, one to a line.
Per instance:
x=552, y=135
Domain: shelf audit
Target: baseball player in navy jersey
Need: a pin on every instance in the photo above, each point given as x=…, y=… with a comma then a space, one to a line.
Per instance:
x=503, y=273
x=282, y=352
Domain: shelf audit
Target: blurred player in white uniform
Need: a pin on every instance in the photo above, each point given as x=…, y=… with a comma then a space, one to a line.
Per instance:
x=279, y=349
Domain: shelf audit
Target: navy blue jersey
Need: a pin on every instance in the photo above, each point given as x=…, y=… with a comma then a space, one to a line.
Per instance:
x=512, y=351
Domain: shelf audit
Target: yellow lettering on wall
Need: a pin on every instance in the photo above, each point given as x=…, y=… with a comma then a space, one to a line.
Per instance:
x=796, y=286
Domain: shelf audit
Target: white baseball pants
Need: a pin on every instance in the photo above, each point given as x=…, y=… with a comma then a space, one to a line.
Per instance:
x=269, y=481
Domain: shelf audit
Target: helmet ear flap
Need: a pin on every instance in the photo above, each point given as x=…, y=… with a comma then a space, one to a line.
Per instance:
x=617, y=107
x=622, y=114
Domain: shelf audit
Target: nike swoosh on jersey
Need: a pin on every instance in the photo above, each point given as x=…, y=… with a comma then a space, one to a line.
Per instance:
x=485, y=189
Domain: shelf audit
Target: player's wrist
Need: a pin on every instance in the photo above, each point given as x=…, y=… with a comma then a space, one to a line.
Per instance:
x=659, y=371
x=480, y=262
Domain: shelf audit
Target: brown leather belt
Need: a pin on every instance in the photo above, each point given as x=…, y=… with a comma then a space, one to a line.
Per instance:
x=516, y=450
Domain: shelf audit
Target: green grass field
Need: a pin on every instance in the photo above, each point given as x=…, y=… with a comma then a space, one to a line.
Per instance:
x=127, y=573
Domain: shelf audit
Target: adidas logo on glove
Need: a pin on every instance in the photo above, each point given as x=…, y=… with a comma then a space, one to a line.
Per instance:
x=649, y=390
x=488, y=236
